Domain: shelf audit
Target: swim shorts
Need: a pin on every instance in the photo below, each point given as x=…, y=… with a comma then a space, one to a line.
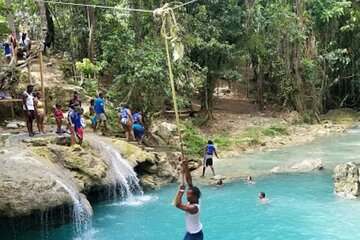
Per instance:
x=29, y=115
x=101, y=116
x=208, y=160
x=195, y=236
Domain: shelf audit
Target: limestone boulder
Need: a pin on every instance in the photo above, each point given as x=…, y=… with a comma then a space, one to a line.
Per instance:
x=148, y=182
x=28, y=185
x=347, y=180
x=86, y=169
x=305, y=166
x=166, y=130
x=134, y=154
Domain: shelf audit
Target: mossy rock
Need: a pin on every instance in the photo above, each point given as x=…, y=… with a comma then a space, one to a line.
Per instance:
x=344, y=116
x=134, y=154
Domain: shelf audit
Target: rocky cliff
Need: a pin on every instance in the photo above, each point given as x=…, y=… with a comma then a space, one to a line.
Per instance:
x=347, y=180
x=43, y=174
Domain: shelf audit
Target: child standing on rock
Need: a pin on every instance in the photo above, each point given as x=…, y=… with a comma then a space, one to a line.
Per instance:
x=59, y=116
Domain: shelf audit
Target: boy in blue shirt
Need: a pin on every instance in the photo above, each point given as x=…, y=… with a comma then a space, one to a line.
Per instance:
x=208, y=157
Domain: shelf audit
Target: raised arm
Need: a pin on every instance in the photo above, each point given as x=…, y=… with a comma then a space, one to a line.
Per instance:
x=186, y=171
x=190, y=208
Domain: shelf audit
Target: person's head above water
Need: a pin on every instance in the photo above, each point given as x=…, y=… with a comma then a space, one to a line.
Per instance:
x=193, y=194
x=262, y=195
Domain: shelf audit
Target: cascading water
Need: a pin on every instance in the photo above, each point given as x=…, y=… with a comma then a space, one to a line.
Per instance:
x=127, y=183
x=80, y=217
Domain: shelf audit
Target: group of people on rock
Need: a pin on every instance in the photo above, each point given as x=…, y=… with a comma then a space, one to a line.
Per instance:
x=13, y=48
x=75, y=123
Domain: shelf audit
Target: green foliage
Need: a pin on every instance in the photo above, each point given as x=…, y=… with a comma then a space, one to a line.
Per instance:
x=193, y=141
x=86, y=67
x=308, y=70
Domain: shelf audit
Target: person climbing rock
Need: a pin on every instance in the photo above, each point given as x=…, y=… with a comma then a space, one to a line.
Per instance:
x=126, y=119
x=93, y=119
x=138, y=127
x=208, y=157
x=29, y=109
x=99, y=106
x=192, y=208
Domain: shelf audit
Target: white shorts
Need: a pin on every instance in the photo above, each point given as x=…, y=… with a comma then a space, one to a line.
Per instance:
x=124, y=121
x=101, y=116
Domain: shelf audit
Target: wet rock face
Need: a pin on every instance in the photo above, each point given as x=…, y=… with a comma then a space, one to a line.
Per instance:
x=347, y=180
x=302, y=167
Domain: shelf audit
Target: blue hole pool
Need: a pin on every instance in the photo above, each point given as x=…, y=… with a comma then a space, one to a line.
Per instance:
x=302, y=206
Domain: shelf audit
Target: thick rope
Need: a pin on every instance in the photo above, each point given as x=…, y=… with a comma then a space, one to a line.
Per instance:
x=110, y=7
x=97, y=6
x=169, y=30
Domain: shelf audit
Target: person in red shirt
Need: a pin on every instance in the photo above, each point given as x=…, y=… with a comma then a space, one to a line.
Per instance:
x=59, y=116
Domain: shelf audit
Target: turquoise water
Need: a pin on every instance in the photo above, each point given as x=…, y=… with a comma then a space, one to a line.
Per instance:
x=302, y=206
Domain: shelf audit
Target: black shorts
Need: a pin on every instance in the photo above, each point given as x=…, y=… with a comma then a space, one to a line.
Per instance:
x=209, y=162
x=29, y=115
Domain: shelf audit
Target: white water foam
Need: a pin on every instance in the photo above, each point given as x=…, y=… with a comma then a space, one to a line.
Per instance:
x=126, y=180
x=138, y=200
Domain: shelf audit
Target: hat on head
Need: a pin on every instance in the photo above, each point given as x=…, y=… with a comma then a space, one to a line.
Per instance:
x=30, y=85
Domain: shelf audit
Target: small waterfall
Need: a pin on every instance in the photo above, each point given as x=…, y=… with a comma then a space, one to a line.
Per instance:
x=80, y=216
x=127, y=183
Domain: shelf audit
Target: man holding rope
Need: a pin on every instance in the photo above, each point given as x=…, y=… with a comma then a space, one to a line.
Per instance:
x=192, y=208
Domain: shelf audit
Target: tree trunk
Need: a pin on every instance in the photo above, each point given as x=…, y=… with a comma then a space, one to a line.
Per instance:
x=10, y=17
x=207, y=99
x=297, y=48
x=90, y=12
x=47, y=25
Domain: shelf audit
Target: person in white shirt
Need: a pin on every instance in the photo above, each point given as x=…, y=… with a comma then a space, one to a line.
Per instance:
x=29, y=109
x=25, y=45
x=192, y=208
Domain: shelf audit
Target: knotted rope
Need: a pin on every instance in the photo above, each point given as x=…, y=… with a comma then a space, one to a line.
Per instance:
x=170, y=30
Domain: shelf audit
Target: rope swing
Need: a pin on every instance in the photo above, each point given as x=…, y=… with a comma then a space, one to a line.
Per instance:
x=169, y=30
